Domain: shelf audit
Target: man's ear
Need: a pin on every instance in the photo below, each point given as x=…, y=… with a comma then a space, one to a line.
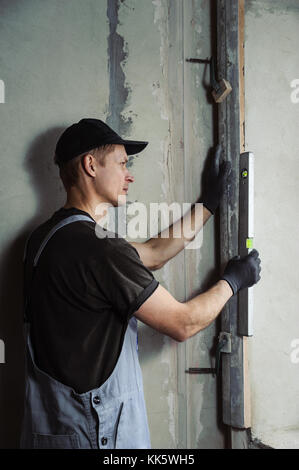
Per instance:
x=88, y=164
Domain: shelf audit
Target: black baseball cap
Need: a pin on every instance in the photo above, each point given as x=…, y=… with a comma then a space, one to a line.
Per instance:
x=88, y=134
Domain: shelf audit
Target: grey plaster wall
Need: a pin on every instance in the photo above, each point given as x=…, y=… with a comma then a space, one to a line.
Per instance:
x=271, y=65
x=122, y=61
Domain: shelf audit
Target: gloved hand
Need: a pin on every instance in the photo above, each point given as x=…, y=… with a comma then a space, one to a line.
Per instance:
x=215, y=180
x=243, y=272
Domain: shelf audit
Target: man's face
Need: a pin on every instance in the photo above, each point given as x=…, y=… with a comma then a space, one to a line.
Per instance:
x=112, y=181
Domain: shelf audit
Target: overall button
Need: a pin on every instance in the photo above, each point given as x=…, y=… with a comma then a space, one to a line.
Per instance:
x=104, y=441
x=96, y=400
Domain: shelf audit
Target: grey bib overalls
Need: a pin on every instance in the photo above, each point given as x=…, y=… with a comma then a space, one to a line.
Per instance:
x=112, y=416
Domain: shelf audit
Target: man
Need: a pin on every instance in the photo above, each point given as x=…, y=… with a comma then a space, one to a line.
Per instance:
x=85, y=290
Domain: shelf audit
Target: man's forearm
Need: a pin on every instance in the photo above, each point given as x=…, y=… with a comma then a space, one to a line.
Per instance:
x=204, y=308
x=175, y=238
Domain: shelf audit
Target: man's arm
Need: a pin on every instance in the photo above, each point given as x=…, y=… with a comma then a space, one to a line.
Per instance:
x=181, y=320
x=156, y=251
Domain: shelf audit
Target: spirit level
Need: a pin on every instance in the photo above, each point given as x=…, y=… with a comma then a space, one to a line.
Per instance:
x=246, y=229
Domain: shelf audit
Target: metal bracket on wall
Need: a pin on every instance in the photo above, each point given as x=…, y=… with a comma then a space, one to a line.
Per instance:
x=220, y=88
x=225, y=346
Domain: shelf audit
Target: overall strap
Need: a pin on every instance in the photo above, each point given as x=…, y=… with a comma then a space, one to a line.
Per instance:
x=62, y=223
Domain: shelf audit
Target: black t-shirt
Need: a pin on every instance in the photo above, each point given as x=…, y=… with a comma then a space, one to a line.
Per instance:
x=84, y=291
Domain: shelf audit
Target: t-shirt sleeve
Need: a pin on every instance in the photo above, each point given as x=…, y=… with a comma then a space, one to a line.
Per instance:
x=125, y=281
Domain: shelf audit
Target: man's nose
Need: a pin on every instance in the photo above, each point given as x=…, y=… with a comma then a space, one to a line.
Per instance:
x=130, y=178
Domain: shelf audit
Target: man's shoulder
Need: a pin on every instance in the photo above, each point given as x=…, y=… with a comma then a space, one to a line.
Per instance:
x=82, y=238
x=44, y=229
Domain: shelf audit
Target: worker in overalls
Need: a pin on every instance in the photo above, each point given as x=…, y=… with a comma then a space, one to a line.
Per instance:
x=84, y=289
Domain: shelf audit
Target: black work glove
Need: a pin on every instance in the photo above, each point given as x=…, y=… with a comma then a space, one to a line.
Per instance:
x=243, y=272
x=215, y=180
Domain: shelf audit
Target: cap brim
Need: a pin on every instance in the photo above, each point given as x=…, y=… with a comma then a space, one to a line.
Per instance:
x=134, y=146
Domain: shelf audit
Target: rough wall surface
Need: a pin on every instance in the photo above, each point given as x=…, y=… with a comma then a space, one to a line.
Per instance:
x=122, y=61
x=271, y=64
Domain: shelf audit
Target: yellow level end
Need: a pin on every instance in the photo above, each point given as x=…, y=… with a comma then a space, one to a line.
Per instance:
x=249, y=243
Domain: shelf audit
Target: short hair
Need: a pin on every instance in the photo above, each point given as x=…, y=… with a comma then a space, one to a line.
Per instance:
x=69, y=171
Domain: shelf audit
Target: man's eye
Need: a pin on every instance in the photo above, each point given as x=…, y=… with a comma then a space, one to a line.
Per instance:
x=123, y=163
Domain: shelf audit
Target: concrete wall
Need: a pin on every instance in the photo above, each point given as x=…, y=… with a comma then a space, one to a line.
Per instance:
x=122, y=61
x=271, y=65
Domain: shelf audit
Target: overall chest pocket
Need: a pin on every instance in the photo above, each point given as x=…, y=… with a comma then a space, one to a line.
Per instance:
x=55, y=441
